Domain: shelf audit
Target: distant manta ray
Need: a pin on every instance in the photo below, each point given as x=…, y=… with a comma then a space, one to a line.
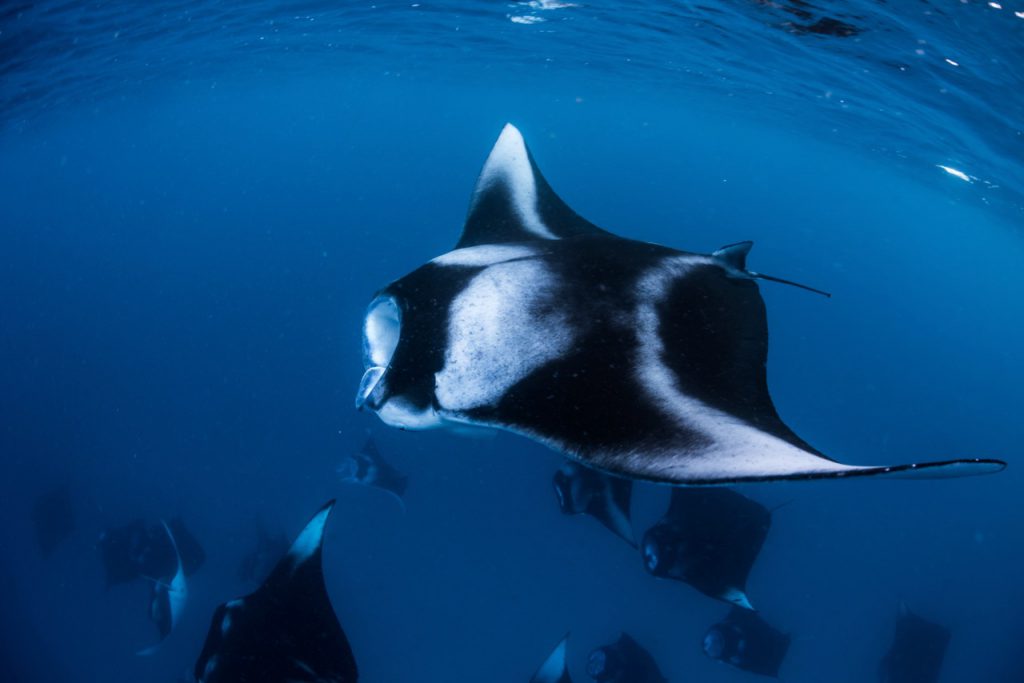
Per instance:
x=633, y=358
x=168, y=598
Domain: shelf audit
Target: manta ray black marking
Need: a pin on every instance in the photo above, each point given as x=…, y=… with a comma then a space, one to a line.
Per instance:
x=554, y=668
x=286, y=630
x=709, y=538
x=369, y=468
x=53, y=519
x=168, y=597
x=637, y=359
x=917, y=651
x=744, y=640
x=624, y=661
x=582, y=490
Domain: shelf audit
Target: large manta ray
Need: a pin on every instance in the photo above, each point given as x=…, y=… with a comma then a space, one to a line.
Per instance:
x=636, y=359
x=286, y=631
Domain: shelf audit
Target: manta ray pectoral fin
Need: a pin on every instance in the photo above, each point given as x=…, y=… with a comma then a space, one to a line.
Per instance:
x=946, y=469
x=738, y=598
x=513, y=203
x=745, y=455
x=725, y=473
x=616, y=521
x=554, y=669
x=400, y=499
x=393, y=494
x=310, y=540
x=734, y=258
x=612, y=509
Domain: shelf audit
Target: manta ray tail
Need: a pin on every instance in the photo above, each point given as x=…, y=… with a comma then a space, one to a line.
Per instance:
x=734, y=256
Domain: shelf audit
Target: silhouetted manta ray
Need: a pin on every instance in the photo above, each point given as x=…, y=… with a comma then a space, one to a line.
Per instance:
x=624, y=661
x=582, y=490
x=168, y=597
x=634, y=358
x=139, y=550
x=369, y=468
x=917, y=650
x=746, y=641
x=708, y=538
x=286, y=630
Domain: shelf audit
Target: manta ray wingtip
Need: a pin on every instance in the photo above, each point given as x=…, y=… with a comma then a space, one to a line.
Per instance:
x=554, y=669
x=510, y=129
x=967, y=467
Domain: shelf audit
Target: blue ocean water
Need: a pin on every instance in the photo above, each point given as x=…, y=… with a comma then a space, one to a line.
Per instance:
x=200, y=198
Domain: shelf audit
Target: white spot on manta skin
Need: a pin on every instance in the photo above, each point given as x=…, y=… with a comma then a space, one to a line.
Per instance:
x=736, y=449
x=484, y=255
x=509, y=163
x=309, y=540
x=502, y=327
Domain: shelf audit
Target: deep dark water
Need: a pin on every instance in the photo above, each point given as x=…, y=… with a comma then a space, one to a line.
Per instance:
x=184, y=276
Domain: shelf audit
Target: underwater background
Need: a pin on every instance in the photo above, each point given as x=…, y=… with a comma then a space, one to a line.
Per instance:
x=199, y=199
